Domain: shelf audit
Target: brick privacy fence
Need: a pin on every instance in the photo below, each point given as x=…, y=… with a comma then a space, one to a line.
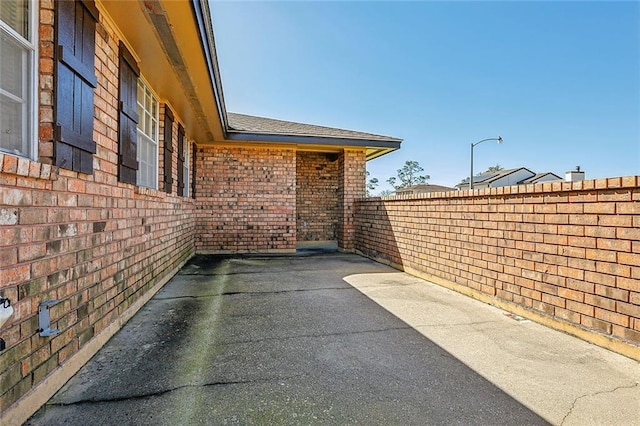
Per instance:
x=564, y=251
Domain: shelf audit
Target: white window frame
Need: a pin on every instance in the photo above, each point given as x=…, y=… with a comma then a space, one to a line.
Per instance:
x=185, y=167
x=150, y=181
x=30, y=44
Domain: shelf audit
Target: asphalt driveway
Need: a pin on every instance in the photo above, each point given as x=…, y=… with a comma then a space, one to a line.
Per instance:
x=275, y=340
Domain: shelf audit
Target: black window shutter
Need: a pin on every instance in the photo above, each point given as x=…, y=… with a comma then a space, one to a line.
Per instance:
x=193, y=170
x=168, y=149
x=180, y=160
x=128, y=116
x=75, y=81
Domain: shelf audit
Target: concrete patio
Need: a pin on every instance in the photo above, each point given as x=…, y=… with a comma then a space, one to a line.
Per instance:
x=334, y=338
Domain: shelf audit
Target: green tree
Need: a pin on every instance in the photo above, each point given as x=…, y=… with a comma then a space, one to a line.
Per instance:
x=372, y=183
x=408, y=175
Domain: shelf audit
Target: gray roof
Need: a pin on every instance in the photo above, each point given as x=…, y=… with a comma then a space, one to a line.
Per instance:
x=503, y=173
x=537, y=176
x=488, y=177
x=269, y=126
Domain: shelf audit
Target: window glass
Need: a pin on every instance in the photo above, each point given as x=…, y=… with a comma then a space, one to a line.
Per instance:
x=147, y=137
x=15, y=14
x=185, y=168
x=11, y=66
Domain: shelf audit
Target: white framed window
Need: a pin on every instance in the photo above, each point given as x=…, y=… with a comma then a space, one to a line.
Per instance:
x=185, y=167
x=147, y=151
x=18, y=103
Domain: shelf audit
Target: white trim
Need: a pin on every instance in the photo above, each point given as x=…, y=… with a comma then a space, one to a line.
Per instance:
x=186, y=169
x=150, y=181
x=31, y=97
x=155, y=130
x=35, y=86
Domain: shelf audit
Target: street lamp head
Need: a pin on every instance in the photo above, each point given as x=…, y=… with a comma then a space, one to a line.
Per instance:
x=499, y=139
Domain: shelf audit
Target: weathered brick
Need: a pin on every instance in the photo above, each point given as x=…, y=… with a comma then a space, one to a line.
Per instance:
x=14, y=275
x=600, y=208
x=612, y=317
x=596, y=324
x=601, y=255
x=600, y=302
x=31, y=252
x=615, y=245
x=628, y=234
x=566, y=293
x=628, y=259
x=567, y=315
x=628, y=309
x=626, y=333
x=632, y=284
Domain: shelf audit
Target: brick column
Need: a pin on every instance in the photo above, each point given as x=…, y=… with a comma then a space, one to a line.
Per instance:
x=352, y=183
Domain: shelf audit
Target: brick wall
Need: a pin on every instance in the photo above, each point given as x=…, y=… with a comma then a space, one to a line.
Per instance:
x=46, y=81
x=317, y=196
x=88, y=241
x=246, y=199
x=565, y=251
x=352, y=180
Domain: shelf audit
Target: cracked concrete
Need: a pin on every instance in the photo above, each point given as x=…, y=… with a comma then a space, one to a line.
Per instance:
x=565, y=380
x=581, y=413
x=295, y=344
x=165, y=391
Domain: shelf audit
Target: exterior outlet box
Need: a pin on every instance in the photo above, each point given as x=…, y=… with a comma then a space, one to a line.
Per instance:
x=44, y=319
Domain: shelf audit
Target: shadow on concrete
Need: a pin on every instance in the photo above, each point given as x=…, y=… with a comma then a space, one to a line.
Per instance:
x=275, y=340
x=316, y=248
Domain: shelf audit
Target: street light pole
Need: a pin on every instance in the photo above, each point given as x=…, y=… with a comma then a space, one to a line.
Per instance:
x=499, y=139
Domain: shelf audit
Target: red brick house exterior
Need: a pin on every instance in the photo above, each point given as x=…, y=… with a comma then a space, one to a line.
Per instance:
x=118, y=162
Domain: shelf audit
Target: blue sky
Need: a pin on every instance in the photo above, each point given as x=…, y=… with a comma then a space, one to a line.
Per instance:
x=559, y=81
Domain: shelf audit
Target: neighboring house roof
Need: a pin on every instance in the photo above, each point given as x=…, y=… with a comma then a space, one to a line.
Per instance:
x=488, y=177
x=248, y=127
x=538, y=176
x=423, y=188
x=503, y=173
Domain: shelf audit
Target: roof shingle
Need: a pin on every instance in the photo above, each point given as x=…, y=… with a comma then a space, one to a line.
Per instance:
x=261, y=125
